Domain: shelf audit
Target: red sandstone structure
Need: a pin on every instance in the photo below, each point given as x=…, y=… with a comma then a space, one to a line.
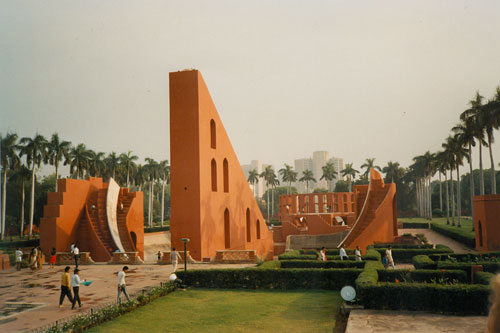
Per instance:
x=211, y=201
x=367, y=215
x=99, y=217
x=487, y=222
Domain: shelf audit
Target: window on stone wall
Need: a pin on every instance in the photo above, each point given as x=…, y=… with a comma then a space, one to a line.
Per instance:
x=225, y=169
x=214, y=175
x=227, y=233
x=258, y=229
x=213, y=135
x=249, y=230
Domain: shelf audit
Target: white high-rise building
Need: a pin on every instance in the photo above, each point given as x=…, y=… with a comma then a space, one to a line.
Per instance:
x=257, y=165
x=338, y=164
x=301, y=165
x=319, y=160
x=316, y=164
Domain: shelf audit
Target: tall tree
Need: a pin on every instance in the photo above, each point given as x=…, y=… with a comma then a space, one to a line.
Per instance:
x=391, y=171
x=128, y=162
x=164, y=175
x=490, y=120
x=329, y=174
x=79, y=160
x=96, y=164
x=368, y=165
x=35, y=150
x=350, y=173
x=269, y=176
x=449, y=147
x=22, y=175
x=9, y=160
x=152, y=168
x=112, y=164
x=307, y=176
x=57, y=151
x=288, y=175
x=253, y=178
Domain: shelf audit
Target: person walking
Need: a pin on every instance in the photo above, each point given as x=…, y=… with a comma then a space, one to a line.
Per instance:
x=174, y=257
x=122, y=286
x=343, y=254
x=357, y=253
x=33, y=258
x=52, y=260
x=322, y=254
x=76, y=253
x=388, y=255
x=19, y=258
x=39, y=258
x=75, y=284
x=65, y=284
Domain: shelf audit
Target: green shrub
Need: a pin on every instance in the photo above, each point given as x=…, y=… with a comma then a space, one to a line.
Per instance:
x=402, y=246
x=423, y=262
x=491, y=267
x=415, y=225
x=483, y=277
x=406, y=255
x=322, y=264
x=295, y=255
x=453, y=299
x=458, y=234
x=423, y=275
x=254, y=278
x=466, y=257
x=372, y=254
x=328, y=252
x=272, y=264
x=157, y=229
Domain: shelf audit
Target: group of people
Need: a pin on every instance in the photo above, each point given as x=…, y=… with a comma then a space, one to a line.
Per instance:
x=67, y=284
x=35, y=258
x=387, y=260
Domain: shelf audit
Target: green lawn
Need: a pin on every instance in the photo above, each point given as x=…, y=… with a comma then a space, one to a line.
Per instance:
x=215, y=310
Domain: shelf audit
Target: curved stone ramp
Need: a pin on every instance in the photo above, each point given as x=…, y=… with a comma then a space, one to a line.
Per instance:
x=154, y=242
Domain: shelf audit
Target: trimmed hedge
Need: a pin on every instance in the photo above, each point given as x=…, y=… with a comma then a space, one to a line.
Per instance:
x=483, y=277
x=271, y=264
x=369, y=274
x=372, y=254
x=491, y=267
x=456, y=233
x=415, y=225
x=423, y=275
x=406, y=255
x=321, y=264
x=252, y=278
x=156, y=229
x=328, y=252
x=465, y=257
x=403, y=246
x=453, y=299
x=423, y=262
x=295, y=255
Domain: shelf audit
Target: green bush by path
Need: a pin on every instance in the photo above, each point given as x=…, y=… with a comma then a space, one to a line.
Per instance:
x=423, y=262
x=491, y=267
x=328, y=252
x=201, y=310
x=406, y=255
x=372, y=254
x=402, y=246
x=272, y=264
x=321, y=264
x=463, y=235
x=415, y=225
x=156, y=229
x=295, y=255
x=466, y=257
x=483, y=277
x=423, y=275
x=254, y=278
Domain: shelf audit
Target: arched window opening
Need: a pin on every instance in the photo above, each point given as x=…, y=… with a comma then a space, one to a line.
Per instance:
x=249, y=230
x=214, y=175
x=227, y=234
x=258, y=229
x=225, y=169
x=213, y=135
x=480, y=230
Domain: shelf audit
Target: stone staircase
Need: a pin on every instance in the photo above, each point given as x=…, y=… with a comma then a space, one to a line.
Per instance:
x=125, y=199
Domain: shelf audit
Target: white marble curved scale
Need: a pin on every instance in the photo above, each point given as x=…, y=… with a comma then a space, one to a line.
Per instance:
x=111, y=205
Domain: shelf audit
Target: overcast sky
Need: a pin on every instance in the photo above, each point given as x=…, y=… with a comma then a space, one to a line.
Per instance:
x=383, y=79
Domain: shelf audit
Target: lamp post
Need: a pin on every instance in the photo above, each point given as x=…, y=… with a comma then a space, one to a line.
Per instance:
x=185, y=241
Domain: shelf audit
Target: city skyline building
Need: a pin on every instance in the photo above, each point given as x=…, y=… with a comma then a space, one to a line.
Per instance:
x=260, y=185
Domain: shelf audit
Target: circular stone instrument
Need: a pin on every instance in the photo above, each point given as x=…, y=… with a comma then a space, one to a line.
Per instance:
x=348, y=293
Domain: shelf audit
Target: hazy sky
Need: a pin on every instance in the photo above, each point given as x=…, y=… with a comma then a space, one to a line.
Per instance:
x=383, y=79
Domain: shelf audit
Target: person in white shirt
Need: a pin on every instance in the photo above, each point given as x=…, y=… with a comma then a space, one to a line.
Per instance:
x=122, y=287
x=357, y=253
x=75, y=284
x=174, y=257
x=76, y=253
x=343, y=254
x=322, y=254
x=388, y=255
x=19, y=258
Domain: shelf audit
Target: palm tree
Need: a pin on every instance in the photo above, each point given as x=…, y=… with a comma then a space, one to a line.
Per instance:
x=349, y=172
x=9, y=160
x=274, y=182
x=460, y=153
x=307, y=176
x=269, y=176
x=289, y=176
x=79, y=160
x=127, y=160
x=164, y=174
x=96, y=164
x=368, y=165
x=152, y=168
x=442, y=166
x=253, y=178
x=57, y=150
x=22, y=175
x=112, y=164
x=472, y=118
x=465, y=134
x=490, y=120
x=449, y=147
x=36, y=152
x=141, y=176
x=329, y=174
x=391, y=171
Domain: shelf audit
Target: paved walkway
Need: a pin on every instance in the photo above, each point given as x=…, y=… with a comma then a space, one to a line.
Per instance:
x=377, y=321
x=42, y=289
x=436, y=238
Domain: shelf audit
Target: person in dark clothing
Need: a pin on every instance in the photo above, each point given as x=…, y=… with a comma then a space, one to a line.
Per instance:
x=65, y=285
